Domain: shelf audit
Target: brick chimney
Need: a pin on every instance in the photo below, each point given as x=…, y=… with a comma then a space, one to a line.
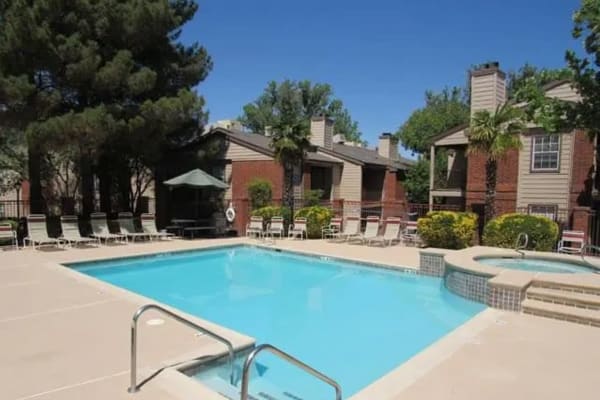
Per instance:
x=321, y=131
x=388, y=146
x=488, y=87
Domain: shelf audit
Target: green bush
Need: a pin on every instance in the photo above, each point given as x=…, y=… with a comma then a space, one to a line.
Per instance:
x=448, y=229
x=269, y=212
x=260, y=193
x=316, y=218
x=504, y=230
x=12, y=222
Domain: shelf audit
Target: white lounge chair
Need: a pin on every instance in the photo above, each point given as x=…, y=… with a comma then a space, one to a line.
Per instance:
x=37, y=232
x=410, y=233
x=335, y=226
x=275, y=227
x=350, y=229
x=8, y=233
x=100, y=229
x=371, y=231
x=572, y=242
x=391, y=233
x=127, y=227
x=149, y=227
x=255, y=227
x=298, y=228
x=70, y=231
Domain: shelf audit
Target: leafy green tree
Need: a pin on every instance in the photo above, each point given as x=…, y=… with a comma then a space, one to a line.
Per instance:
x=519, y=81
x=315, y=99
x=493, y=134
x=106, y=80
x=416, y=182
x=586, y=69
x=442, y=111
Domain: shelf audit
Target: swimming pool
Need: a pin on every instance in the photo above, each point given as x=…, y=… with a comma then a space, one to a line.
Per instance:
x=537, y=265
x=354, y=323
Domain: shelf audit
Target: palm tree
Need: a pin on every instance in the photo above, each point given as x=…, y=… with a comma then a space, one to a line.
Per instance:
x=493, y=134
x=289, y=138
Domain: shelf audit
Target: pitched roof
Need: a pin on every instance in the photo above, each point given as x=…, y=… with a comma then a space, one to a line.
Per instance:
x=261, y=143
x=358, y=155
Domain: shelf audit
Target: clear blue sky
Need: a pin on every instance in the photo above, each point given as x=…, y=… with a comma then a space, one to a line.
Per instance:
x=379, y=56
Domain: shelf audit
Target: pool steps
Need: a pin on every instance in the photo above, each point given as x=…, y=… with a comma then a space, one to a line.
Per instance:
x=263, y=390
x=563, y=301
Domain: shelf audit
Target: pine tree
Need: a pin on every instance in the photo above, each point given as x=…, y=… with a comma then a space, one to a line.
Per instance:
x=106, y=82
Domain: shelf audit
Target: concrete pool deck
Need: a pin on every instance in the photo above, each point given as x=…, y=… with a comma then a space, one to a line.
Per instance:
x=64, y=335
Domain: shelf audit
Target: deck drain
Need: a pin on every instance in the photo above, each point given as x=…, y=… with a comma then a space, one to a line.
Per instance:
x=155, y=322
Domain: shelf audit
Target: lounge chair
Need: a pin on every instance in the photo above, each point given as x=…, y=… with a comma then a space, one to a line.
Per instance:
x=8, y=233
x=572, y=242
x=149, y=227
x=100, y=229
x=391, y=233
x=335, y=225
x=127, y=227
x=410, y=233
x=298, y=228
x=275, y=227
x=70, y=231
x=37, y=232
x=351, y=229
x=255, y=227
x=371, y=231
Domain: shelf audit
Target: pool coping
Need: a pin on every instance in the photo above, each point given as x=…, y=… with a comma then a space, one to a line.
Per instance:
x=175, y=381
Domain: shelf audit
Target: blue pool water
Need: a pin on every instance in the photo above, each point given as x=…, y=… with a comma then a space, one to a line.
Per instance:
x=537, y=265
x=354, y=323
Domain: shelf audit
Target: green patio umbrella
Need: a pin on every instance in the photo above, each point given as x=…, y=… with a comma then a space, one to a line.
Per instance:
x=196, y=178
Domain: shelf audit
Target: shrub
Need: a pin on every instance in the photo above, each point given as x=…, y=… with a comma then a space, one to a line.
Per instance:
x=313, y=197
x=504, y=230
x=316, y=218
x=260, y=193
x=448, y=229
x=12, y=222
x=272, y=211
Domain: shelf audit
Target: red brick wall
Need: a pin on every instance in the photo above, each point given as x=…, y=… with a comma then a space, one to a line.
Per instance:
x=242, y=173
x=389, y=186
x=393, y=198
x=581, y=170
x=506, y=186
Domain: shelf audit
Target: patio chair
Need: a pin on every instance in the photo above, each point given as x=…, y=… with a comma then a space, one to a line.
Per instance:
x=410, y=233
x=149, y=227
x=100, y=229
x=351, y=229
x=298, y=228
x=127, y=227
x=275, y=227
x=255, y=227
x=371, y=231
x=8, y=233
x=391, y=233
x=572, y=242
x=70, y=231
x=37, y=232
x=335, y=225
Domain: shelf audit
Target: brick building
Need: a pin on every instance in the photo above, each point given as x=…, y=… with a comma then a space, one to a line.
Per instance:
x=350, y=176
x=552, y=174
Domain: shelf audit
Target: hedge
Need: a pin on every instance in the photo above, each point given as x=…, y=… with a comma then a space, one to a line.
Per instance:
x=448, y=229
x=316, y=218
x=504, y=230
x=269, y=212
x=260, y=193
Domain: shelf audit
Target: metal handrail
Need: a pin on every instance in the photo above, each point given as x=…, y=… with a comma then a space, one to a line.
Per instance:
x=521, y=243
x=133, y=372
x=288, y=358
x=584, y=250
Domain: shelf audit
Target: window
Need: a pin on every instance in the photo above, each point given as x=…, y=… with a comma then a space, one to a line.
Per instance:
x=545, y=153
x=544, y=210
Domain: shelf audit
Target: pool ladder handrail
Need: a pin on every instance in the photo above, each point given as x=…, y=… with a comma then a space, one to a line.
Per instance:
x=289, y=358
x=584, y=252
x=521, y=243
x=133, y=371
